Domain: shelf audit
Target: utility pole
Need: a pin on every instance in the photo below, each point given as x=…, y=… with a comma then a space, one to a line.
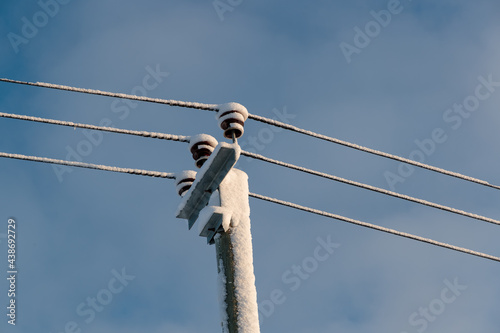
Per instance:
x=225, y=268
x=217, y=198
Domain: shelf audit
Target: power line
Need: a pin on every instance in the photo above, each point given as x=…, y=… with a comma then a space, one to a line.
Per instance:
x=371, y=151
x=257, y=196
x=191, y=105
x=259, y=157
x=90, y=166
x=375, y=227
x=371, y=188
x=163, y=136
x=214, y=107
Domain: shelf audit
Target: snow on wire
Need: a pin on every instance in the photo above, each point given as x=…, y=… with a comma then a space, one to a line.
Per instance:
x=257, y=196
x=215, y=107
x=371, y=188
x=371, y=151
x=181, y=138
x=90, y=166
x=191, y=105
x=163, y=136
x=375, y=227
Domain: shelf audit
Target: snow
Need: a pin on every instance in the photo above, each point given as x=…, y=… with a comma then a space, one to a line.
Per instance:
x=206, y=166
x=193, y=105
x=234, y=193
x=211, y=148
x=232, y=107
x=370, y=150
x=235, y=115
x=222, y=296
x=89, y=165
x=232, y=201
x=371, y=188
x=374, y=227
x=205, y=215
x=231, y=117
x=234, y=196
x=163, y=136
x=202, y=138
x=234, y=146
x=186, y=174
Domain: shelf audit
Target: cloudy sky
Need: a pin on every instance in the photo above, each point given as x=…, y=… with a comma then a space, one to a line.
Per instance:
x=419, y=78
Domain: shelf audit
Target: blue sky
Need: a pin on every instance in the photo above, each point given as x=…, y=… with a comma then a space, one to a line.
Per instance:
x=77, y=231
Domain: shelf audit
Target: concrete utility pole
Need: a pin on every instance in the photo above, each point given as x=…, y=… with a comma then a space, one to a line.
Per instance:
x=225, y=266
x=217, y=198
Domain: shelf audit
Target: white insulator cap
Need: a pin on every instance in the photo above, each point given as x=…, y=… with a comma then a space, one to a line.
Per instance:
x=232, y=117
x=202, y=146
x=183, y=181
x=195, y=139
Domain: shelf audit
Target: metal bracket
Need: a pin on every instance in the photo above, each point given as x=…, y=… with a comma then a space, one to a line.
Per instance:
x=207, y=181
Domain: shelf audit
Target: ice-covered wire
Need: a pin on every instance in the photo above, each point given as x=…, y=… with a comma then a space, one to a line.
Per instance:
x=90, y=166
x=191, y=105
x=371, y=188
x=258, y=196
x=371, y=151
x=214, y=107
x=163, y=136
x=375, y=227
x=256, y=156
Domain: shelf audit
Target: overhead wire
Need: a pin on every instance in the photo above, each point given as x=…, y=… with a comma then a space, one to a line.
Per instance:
x=171, y=102
x=146, y=134
x=257, y=196
x=182, y=138
x=214, y=107
x=371, y=151
x=371, y=188
x=375, y=227
x=89, y=165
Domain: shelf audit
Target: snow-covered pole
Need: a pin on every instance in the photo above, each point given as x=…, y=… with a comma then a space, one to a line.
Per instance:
x=226, y=272
x=238, y=295
x=227, y=290
x=218, y=200
x=234, y=242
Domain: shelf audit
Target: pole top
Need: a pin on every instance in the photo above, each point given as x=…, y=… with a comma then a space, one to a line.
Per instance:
x=207, y=181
